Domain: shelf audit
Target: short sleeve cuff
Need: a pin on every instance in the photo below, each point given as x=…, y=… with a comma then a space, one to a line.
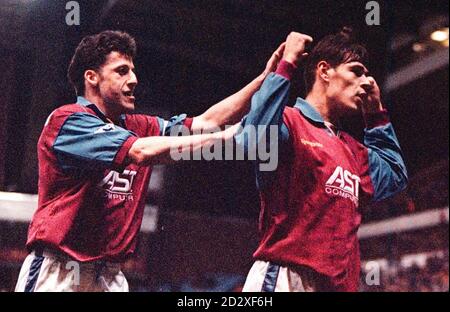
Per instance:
x=188, y=123
x=119, y=160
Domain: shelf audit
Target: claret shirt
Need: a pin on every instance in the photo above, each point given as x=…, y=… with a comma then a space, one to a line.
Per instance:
x=90, y=198
x=310, y=204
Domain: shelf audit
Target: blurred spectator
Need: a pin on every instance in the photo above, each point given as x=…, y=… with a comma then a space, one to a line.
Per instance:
x=433, y=277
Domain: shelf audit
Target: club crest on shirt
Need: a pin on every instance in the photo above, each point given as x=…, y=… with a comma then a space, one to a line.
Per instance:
x=105, y=128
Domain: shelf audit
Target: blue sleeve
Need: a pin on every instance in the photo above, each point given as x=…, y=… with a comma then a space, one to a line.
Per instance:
x=171, y=125
x=85, y=141
x=386, y=166
x=266, y=110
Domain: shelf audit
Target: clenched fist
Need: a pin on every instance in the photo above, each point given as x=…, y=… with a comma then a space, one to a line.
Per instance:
x=372, y=103
x=294, y=49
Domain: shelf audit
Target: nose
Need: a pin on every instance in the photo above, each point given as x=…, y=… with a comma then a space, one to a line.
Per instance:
x=133, y=79
x=367, y=83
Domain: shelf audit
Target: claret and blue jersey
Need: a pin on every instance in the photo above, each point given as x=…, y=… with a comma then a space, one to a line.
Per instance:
x=310, y=204
x=91, y=199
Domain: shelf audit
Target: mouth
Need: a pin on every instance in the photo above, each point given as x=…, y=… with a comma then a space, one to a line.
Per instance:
x=129, y=95
x=362, y=97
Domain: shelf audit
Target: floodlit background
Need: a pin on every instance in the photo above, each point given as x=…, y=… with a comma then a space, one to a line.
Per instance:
x=200, y=227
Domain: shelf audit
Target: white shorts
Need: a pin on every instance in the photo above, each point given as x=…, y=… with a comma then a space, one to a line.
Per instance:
x=270, y=277
x=45, y=271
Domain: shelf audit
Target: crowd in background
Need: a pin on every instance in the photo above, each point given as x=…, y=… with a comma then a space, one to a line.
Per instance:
x=432, y=277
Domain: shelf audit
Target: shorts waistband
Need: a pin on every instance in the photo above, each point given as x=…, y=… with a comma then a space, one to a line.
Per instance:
x=97, y=264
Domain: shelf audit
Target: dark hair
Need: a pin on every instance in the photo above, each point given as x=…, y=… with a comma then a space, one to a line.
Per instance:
x=92, y=51
x=335, y=49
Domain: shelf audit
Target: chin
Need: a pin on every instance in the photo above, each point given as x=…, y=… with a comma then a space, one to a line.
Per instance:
x=128, y=107
x=352, y=110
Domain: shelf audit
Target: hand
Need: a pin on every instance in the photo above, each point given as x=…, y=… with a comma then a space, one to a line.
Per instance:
x=272, y=64
x=294, y=50
x=372, y=103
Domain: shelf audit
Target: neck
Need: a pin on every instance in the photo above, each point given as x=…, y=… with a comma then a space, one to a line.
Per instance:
x=319, y=101
x=110, y=113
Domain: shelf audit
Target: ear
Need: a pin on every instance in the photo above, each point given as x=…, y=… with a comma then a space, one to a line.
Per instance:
x=91, y=77
x=323, y=70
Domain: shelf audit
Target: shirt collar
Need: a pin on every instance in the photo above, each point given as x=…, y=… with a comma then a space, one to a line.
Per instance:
x=312, y=114
x=308, y=111
x=83, y=101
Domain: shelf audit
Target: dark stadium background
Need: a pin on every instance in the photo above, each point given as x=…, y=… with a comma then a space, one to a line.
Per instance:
x=192, y=54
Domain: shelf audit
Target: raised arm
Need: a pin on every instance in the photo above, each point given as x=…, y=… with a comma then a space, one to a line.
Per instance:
x=269, y=102
x=387, y=168
x=231, y=109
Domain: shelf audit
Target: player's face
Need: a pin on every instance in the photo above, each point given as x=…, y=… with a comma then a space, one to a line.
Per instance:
x=348, y=87
x=117, y=82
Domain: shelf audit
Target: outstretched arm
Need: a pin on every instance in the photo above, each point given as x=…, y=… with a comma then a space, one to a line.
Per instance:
x=83, y=141
x=163, y=149
x=230, y=110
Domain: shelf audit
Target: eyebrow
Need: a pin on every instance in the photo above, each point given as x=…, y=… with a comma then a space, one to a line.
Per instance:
x=125, y=65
